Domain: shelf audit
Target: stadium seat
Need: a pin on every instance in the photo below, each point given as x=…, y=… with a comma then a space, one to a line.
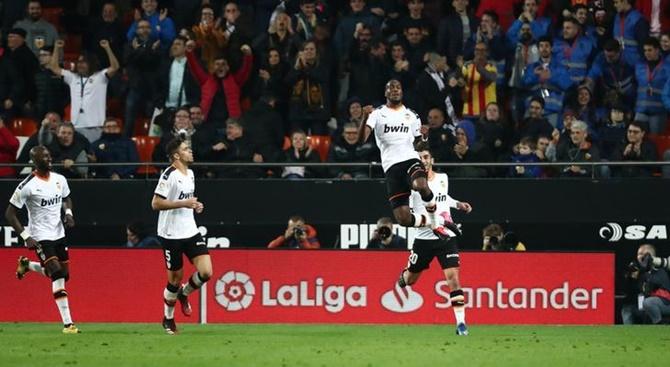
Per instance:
x=53, y=15
x=72, y=44
x=145, y=148
x=66, y=113
x=23, y=126
x=141, y=127
x=662, y=143
x=320, y=143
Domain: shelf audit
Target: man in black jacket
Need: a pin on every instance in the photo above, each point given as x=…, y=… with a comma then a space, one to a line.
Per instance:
x=24, y=61
x=263, y=125
x=171, y=92
x=635, y=148
x=51, y=92
x=455, y=32
x=11, y=87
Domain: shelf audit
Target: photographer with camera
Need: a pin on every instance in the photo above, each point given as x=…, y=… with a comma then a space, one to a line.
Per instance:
x=494, y=239
x=653, y=282
x=383, y=237
x=298, y=234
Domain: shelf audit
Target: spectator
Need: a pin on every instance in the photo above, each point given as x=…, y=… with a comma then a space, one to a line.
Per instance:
x=347, y=149
x=414, y=17
x=70, y=149
x=114, y=147
x=492, y=36
x=142, y=55
x=264, y=126
x=635, y=148
x=182, y=127
x=535, y=124
x=456, y=32
x=40, y=33
x=480, y=83
x=24, y=61
x=106, y=27
x=209, y=35
x=236, y=31
x=541, y=147
x=491, y=128
x=665, y=45
x=383, y=237
x=306, y=20
x=573, y=50
x=538, y=25
x=9, y=145
x=162, y=27
x=138, y=236
x=494, y=239
x=349, y=23
x=221, y=89
x=236, y=147
x=271, y=75
x=547, y=79
x=300, y=152
x=88, y=89
x=581, y=13
x=524, y=152
x=525, y=54
x=369, y=74
x=44, y=136
x=416, y=48
x=630, y=28
x=468, y=150
x=612, y=131
x=298, y=234
x=309, y=80
x=280, y=36
x=400, y=66
x=176, y=84
x=585, y=110
x=437, y=83
x=651, y=76
x=614, y=74
x=441, y=135
x=49, y=87
x=12, y=88
x=579, y=149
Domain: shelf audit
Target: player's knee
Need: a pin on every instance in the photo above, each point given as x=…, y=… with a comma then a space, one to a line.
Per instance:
x=205, y=275
x=58, y=274
x=66, y=275
x=457, y=298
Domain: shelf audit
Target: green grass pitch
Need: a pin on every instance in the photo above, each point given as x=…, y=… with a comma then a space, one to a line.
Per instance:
x=117, y=345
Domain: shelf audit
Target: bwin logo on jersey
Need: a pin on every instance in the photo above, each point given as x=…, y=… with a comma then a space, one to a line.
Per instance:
x=402, y=300
x=183, y=196
x=396, y=129
x=52, y=201
x=440, y=198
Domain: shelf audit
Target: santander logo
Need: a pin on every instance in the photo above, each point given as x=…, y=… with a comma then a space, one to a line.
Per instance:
x=402, y=300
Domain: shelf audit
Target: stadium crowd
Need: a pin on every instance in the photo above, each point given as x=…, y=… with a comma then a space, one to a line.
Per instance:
x=286, y=81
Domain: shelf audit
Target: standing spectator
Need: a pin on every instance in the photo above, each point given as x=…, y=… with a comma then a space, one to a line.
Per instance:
x=441, y=134
x=309, y=80
x=49, y=87
x=526, y=53
x=106, y=27
x=69, y=149
x=437, y=83
x=573, y=50
x=581, y=13
x=538, y=25
x=221, y=89
x=585, y=109
x=298, y=234
x=306, y=20
x=271, y=75
x=400, y=66
x=383, y=237
x=162, y=27
x=300, y=152
x=12, y=88
x=524, y=152
x=114, y=147
x=635, y=148
x=176, y=84
x=349, y=23
x=630, y=28
x=480, y=83
x=88, y=89
x=40, y=33
x=369, y=74
x=209, y=35
x=489, y=33
x=548, y=79
x=24, y=61
x=579, y=149
x=651, y=76
x=142, y=55
x=280, y=36
x=456, y=32
x=416, y=48
x=264, y=126
x=665, y=45
x=347, y=149
x=237, y=32
x=414, y=17
x=9, y=145
x=613, y=73
x=535, y=124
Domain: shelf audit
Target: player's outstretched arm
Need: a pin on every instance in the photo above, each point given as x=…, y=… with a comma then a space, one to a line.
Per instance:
x=13, y=220
x=159, y=203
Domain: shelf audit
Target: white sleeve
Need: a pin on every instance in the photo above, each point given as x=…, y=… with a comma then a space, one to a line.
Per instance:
x=451, y=202
x=416, y=127
x=65, y=192
x=372, y=120
x=105, y=79
x=163, y=186
x=18, y=199
x=68, y=76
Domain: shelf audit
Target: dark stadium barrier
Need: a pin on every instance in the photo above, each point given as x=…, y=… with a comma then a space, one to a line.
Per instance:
x=285, y=286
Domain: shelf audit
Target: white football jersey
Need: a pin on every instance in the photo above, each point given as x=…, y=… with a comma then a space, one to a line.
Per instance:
x=43, y=197
x=440, y=187
x=174, y=186
x=395, y=131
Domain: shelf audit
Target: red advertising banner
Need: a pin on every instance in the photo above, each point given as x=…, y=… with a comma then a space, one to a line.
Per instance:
x=284, y=286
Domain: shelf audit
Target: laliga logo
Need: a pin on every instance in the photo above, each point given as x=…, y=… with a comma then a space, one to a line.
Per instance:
x=234, y=291
x=402, y=300
x=611, y=230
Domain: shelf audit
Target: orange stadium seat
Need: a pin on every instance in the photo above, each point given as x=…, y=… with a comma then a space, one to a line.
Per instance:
x=320, y=143
x=145, y=148
x=66, y=113
x=141, y=127
x=23, y=126
x=662, y=144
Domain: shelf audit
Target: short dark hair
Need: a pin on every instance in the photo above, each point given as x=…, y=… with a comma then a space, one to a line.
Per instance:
x=651, y=41
x=612, y=45
x=492, y=13
x=492, y=230
x=643, y=125
x=572, y=20
x=180, y=38
x=529, y=141
x=537, y=99
x=579, y=6
x=173, y=146
x=296, y=218
x=546, y=39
